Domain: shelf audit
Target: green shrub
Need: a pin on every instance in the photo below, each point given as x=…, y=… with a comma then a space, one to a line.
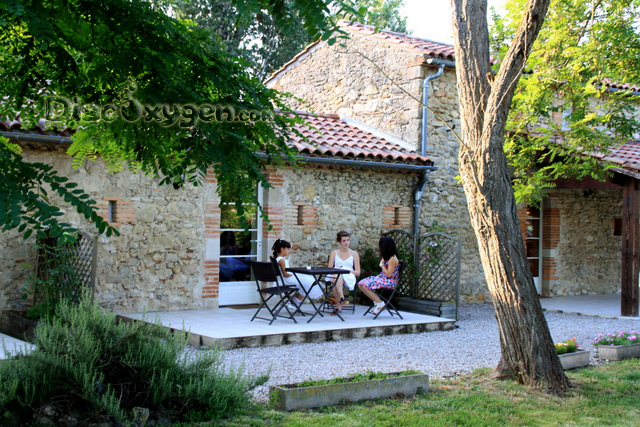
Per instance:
x=369, y=263
x=86, y=363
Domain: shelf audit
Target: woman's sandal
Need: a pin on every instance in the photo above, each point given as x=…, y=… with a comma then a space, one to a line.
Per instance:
x=335, y=311
x=377, y=309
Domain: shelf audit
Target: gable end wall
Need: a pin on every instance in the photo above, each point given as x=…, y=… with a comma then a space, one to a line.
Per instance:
x=335, y=79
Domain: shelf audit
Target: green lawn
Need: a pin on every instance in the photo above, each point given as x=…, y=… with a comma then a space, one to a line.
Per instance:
x=607, y=395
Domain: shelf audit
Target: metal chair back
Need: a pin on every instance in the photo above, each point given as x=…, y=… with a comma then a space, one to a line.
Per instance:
x=266, y=272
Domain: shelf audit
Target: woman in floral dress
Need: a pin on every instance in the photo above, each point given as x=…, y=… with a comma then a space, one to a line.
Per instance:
x=388, y=278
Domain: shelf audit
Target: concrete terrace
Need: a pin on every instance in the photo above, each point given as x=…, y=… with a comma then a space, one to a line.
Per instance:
x=232, y=328
x=10, y=346
x=607, y=306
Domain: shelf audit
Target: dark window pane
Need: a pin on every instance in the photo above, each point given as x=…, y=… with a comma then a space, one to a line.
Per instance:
x=237, y=249
x=533, y=264
x=533, y=227
x=532, y=247
x=617, y=226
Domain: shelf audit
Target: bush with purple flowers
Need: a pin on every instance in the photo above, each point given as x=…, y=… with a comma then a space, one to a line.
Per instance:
x=617, y=338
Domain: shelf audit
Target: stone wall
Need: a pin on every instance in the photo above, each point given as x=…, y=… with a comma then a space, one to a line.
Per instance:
x=588, y=255
x=348, y=200
x=335, y=79
x=155, y=263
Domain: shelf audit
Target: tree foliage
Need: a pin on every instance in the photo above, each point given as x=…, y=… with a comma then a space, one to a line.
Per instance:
x=262, y=43
x=582, y=49
x=382, y=14
x=145, y=90
x=256, y=37
x=25, y=202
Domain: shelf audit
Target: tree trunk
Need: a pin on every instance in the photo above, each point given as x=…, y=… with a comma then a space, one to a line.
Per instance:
x=527, y=351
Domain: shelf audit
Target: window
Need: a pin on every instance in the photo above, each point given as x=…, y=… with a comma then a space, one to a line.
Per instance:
x=112, y=211
x=617, y=226
x=238, y=246
x=533, y=243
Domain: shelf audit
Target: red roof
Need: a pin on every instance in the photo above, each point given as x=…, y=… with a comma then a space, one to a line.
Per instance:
x=421, y=46
x=341, y=137
x=621, y=86
x=327, y=136
x=626, y=155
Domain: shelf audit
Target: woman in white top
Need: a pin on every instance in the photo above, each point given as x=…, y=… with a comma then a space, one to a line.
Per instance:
x=345, y=259
x=281, y=249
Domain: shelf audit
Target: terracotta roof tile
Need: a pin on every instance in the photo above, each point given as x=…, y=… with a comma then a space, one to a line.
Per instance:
x=626, y=155
x=421, y=46
x=328, y=136
x=621, y=86
x=335, y=136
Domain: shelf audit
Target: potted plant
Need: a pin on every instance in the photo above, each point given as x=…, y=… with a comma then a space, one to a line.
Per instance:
x=571, y=355
x=369, y=263
x=618, y=345
x=370, y=385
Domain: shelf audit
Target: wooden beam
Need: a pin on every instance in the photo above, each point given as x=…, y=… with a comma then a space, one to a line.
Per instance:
x=586, y=183
x=630, y=248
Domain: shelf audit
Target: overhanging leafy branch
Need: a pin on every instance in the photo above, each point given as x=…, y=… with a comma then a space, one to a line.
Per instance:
x=25, y=204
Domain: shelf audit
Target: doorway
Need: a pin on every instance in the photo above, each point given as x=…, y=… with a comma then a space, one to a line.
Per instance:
x=238, y=247
x=533, y=244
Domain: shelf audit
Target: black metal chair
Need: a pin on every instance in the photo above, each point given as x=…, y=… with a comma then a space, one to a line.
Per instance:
x=276, y=267
x=265, y=272
x=328, y=306
x=388, y=305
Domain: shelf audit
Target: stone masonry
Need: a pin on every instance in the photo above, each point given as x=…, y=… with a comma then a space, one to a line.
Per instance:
x=167, y=254
x=380, y=84
x=155, y=263
x=350, y=200
x=581, y=252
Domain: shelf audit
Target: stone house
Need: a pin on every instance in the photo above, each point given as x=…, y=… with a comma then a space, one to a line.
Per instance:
x=370, y=166
x=573, y=239
x=183, y=249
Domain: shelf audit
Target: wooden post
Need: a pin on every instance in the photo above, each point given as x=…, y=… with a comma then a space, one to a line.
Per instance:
x=630, y=248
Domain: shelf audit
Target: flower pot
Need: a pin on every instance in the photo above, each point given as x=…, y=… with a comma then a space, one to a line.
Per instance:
x=618, y=352
x=288, y=398
x=577, y=359
x=17, y=325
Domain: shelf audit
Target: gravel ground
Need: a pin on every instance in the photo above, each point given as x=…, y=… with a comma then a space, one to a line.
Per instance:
x=475, y=341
